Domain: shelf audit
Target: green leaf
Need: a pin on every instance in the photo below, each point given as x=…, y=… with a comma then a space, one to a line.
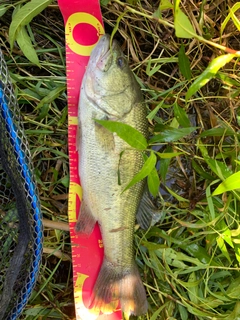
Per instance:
x=65, y=181
x=129, y=134
x=168, y=155
x=150, y=71
x=193, y=289
x=51, y=96
x=222, y=246
x=44, y=104
x=183, y=26
x=155, y=315
x=217, y=132
x=104, y=2
x=181, y=116
x=203, y=149
x=148, y=166
x=184, y=63
x=165, y=4
x=183, y=312
x=237, y=251
x=26, y=46
x=201, y=171
x=132, y=2
x=24, y=16
x=171, y=135
x=164, y=164
x=3, y=9
x=115, y=29
x=227, y=80
x=157, y=14
x=176, y=196
x=231, y=183
x=153, y=113
x=209, y=73
x=235, y=19
x=153, y=182
x=219, y=168
x=210, y=201
x=225, y=232
x=233, y=289
x=200, y=253
x=235, y=7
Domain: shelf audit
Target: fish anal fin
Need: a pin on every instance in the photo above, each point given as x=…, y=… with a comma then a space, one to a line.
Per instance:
x=86, y=220
x=114, y=285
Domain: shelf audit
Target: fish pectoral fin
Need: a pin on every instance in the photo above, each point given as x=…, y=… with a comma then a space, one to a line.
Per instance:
x=104, y=137
x=148, y=214
x=86, y=220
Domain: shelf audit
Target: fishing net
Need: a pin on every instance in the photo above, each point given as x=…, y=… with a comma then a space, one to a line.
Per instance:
x=20, y=215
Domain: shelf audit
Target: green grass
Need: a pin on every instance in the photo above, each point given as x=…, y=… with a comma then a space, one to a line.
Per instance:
x=190, y=259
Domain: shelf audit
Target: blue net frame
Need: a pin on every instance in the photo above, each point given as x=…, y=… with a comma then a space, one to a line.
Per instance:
x=18, y=159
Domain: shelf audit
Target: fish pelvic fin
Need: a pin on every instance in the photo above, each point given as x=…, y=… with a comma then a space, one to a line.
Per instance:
x=113, y=286
x=86, y=221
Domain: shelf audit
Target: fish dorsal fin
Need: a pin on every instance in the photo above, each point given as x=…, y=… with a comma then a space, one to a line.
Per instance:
x=147, y=211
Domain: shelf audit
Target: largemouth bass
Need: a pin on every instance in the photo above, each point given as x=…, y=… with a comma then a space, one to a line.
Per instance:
x=106, y=165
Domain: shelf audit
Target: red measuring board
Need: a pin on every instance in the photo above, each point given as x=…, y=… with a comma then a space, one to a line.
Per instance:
x=83, y=27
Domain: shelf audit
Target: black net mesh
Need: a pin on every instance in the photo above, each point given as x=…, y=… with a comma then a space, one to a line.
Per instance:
x=20, y=215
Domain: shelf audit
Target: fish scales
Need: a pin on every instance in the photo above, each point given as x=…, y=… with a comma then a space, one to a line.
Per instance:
x=110, y=91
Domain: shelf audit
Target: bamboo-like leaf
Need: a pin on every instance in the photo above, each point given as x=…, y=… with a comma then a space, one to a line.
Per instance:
x=222, y=246
x=225, y=232
x=235, y=7
x=129, y=134
x=148, y=166
x=153, y=113
x=235, y=19
x=3, y=9
x=231, y=183
x=209, y=73
x=181, y=116
x=153, y=182
x=51, y=96
x=44, y=104
x=217, y=132
x=203, y=173
x=184, y=63
x=24, y=16
x=219, y=168
x=183, y=26
x=165, y=4
x=26, y=46
x=210, y=202
x=171, y=134
x=168, y=155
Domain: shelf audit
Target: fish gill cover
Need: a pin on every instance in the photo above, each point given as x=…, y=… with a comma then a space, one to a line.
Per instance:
x=20, y=215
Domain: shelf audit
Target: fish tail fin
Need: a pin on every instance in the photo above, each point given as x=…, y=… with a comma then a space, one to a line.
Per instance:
x=113, y=285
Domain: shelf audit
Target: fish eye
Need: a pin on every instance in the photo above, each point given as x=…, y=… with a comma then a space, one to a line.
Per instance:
x=121, y=62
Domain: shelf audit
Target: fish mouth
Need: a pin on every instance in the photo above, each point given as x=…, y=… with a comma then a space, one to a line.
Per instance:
x=106, y=55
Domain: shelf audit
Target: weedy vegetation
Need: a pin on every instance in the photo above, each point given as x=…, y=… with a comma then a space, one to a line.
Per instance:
x=185, y=55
